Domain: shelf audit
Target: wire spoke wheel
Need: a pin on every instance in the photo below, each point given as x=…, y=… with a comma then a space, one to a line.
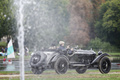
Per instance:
x=61, y=65
x=81, y=69
x=37, y=70
x=104, y=65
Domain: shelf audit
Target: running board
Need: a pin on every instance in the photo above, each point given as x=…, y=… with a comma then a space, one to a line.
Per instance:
x=78, y=64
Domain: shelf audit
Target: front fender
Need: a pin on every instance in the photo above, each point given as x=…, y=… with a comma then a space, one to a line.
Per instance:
x=97, y=59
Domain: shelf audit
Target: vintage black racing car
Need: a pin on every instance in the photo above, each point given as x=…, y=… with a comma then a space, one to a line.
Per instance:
x=80, y=60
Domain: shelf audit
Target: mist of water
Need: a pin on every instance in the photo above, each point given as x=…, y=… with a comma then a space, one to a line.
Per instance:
x=21, y=39
x=43, y=23
x=40, y=24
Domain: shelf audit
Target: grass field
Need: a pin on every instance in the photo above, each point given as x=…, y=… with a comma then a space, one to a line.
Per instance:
x=114, y=53
x=70, y=75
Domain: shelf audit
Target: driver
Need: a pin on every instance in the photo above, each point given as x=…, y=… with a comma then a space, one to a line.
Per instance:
x=61, y=48
x=64, y=50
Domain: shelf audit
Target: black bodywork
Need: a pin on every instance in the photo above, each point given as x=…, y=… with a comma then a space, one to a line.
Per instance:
x=80, y=60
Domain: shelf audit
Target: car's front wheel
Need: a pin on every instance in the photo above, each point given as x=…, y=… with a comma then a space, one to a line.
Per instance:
x=61, y=65
x=104, y=65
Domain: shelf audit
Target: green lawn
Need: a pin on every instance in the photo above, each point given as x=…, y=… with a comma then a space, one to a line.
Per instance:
x=70, y=75
x=1, y=57
x=65, y=79
x=114, y=53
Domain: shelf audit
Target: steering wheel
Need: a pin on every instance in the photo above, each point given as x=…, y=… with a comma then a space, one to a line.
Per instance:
x=70, y=52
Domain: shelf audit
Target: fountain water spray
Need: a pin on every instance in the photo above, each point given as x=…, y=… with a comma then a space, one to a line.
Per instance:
x=39, y=26
x=21, y=40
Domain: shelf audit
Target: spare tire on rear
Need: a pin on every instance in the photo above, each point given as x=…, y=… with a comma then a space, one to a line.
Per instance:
x=37, y=59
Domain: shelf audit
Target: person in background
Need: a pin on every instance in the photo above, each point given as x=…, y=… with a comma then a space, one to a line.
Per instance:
x=6, y=49
x=2, y=49
x=26, y=51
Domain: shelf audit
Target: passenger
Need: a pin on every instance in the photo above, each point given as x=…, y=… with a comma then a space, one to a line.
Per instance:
x=52, y=48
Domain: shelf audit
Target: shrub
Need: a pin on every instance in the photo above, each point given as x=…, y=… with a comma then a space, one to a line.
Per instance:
x=97, y=44
x=3, y=44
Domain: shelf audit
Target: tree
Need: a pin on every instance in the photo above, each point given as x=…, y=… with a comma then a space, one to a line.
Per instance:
x=80, y=16
x=7, y=19
x=96, y=44
x=96, y=6
x=95, y=12
x=108, y=25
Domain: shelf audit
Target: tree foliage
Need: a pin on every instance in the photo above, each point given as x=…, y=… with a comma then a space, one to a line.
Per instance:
x=98, y=44
x=80, y=16
x=96, y=6
x=49, y=21
x=7, y=19
x=108, y=25
x=95, y=14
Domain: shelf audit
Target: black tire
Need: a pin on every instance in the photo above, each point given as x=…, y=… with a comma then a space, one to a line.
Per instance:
x=81, y=69
x=37, y=60
x=61, y=65
x=37, y=70
x=104, y=65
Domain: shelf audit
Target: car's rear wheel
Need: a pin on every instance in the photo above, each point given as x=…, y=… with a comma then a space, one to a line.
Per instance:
x=37, y=70
x=61, y=65
x=104, y=65
x=81, y=69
